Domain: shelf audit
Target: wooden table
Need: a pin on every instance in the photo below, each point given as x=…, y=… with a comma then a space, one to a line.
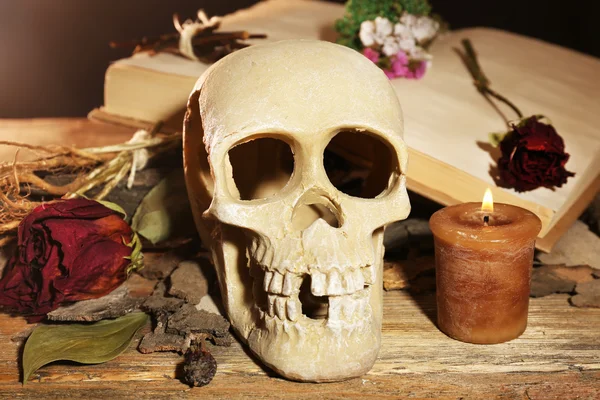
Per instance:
x=558, y=356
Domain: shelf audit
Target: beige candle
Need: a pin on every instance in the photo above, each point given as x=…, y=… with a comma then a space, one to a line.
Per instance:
x=484, y=256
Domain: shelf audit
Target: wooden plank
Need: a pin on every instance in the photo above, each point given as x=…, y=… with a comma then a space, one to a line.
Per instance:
x=557, y=357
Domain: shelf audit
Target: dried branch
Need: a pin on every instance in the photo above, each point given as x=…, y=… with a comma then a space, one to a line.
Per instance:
x=97, y=167
x=207, y=44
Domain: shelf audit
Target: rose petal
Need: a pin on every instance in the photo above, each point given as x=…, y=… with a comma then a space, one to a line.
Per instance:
x=98, y=269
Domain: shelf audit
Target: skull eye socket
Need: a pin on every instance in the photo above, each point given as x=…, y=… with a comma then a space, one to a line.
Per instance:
x=261, y=167
x=360, y=164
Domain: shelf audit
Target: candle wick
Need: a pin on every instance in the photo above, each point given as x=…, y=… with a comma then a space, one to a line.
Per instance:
x=486, y=220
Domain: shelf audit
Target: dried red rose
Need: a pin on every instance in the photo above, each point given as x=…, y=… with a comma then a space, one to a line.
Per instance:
x=533, y=155
x=67, y=251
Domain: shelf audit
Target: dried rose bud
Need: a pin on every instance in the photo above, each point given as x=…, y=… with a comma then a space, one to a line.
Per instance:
x=533, y=155
x=68, y=250
x=200, y=366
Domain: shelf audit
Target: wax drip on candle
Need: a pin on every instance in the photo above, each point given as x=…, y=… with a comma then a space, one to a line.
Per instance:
x=487, y=206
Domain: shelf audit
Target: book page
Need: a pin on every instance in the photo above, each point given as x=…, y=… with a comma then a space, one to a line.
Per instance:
x=448, y=119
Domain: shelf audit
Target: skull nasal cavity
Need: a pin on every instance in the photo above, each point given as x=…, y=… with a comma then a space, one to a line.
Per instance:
x=312, y=207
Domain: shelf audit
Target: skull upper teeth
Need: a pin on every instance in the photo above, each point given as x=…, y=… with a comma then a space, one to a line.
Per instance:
x=331, y=283
x=276, y=285
x=291, y=284
x=344, y=290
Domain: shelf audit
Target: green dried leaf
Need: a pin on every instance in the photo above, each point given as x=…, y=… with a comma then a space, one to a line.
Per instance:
x=113, y=206
x=542, y=118
x=136, y=257
x=164, y=209
x=496, y=137
x=83, y=343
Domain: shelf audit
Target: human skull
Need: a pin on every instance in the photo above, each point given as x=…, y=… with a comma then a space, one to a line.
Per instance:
x=299, y=261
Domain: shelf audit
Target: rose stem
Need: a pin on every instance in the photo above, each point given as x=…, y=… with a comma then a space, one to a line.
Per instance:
x=481, y=82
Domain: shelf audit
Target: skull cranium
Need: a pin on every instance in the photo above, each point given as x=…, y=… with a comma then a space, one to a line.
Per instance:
x=299, y=261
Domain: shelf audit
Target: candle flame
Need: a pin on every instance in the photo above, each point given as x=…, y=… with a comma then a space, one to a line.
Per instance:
x=488, y=201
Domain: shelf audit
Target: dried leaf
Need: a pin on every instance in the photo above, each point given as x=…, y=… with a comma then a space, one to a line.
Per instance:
x=545, y=281
x=578, y=246
x=136, y=257
x=164, y=210
x=588, y=294
x=190, y=281
x=496, y=137
x=113, y=206
x=153, y=342
x=399, y=274
x=83, y=343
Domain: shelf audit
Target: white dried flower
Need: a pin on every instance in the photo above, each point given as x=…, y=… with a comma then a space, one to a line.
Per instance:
x=425, y=29
x=391, y=46
x=375, y=32
x=408, y=19
x=383, y=29
x=402, y=31
x=408, y=45
x=367, y=33
x=383, y=26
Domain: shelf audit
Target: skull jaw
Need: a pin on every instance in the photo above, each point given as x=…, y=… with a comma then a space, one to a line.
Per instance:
x=312, y=351
x=319, y=352
x=324, y=355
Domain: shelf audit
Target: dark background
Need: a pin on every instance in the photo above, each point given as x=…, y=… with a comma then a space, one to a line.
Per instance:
x=53, y=53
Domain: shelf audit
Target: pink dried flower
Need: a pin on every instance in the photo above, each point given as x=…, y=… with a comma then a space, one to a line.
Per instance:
x=371, y=54
x=399, y=66
x=418, y=71
x=401, y=58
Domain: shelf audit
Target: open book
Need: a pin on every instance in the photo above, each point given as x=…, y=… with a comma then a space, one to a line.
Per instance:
x=447, y=121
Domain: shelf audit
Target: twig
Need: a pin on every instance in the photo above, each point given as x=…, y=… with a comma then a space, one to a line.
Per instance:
x=481, y=82
x=155, y=128
x=12, y=204
x=52, y=163
x=111, y=184
x=6, y=239
x=15, y=174
x=45, y=149
x=9, y=226
x=49, y=188
x=133, y=146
